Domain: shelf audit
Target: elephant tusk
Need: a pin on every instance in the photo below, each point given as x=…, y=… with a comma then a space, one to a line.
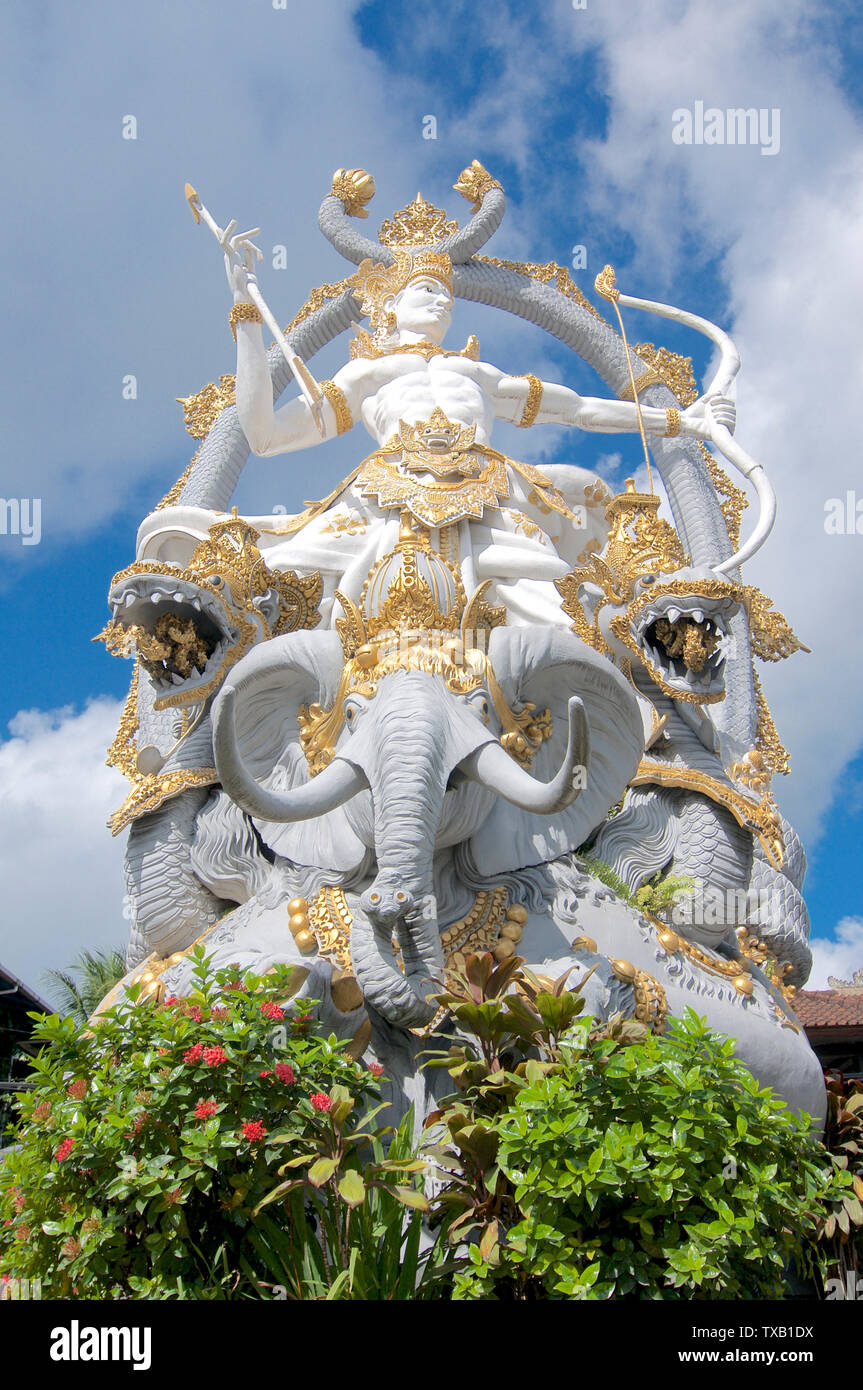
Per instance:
x=494, y=769
x=331, y=788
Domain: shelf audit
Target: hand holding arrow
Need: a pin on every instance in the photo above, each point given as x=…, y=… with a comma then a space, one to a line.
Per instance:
x=240, y=255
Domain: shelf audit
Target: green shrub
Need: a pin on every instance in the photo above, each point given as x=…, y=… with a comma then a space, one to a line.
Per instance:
x=147, y=1147
x=616, y=1163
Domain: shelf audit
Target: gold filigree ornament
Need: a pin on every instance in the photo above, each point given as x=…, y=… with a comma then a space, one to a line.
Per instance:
x=418, y=224
x=435, y=470
x=732, y=499
x=474, y=182
x=642, y=545
x=189, y=626
x=355, y=188
x=548, y=274
x=206, y=616
x=437, y=502
x=667, y=369
x=772, y=637
x=413, y=615
x=202, y=410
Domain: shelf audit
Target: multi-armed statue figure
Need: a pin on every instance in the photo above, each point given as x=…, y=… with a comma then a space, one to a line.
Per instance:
x=380, y=734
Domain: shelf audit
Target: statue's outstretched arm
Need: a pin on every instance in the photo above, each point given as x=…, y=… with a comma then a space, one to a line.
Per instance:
x=527, y=400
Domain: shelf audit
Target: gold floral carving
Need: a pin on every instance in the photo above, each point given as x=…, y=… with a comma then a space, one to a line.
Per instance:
x=474, y=182
x=760, y=818
x=648, y=378
x=202, y=410
x=151, y=791
x=523, y=732
x=772, y=637
x=355, y=188
x=123, y=752
x=767, y=740
x=761, y=954
x=651, y=1002
x=418, y=224
x=347, y=523
x=732, y=499
x=173, y=494
x=318, y=297
x=439, y=503
x=363, y=345
x=673, y=370
x=331, y=921
x=545, y=275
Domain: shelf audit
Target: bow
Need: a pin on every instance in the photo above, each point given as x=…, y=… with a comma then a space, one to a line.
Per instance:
x=729, y=366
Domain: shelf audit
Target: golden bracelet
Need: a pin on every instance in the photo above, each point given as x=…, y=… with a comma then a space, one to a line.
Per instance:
x=338, y=400
x=533, y=402
x=243, y=313
x=672, y=427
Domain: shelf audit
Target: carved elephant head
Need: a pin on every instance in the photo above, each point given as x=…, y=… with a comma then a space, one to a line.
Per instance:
x=418, y=767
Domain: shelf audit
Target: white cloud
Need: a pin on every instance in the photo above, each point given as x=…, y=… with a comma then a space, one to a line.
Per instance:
x=840, y=957
x=787, y=230
x=61, y=871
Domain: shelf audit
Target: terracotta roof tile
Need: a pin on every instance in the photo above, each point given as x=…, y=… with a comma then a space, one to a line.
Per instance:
x=829, y=1008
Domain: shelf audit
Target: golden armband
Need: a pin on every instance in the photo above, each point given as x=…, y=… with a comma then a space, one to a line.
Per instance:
x=338, y=400
x=533, y=402
x=243, y=313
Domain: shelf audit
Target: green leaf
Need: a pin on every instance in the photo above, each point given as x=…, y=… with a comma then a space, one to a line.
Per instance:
x=352, y=1188
x=409, y=1197
x=321, y=1171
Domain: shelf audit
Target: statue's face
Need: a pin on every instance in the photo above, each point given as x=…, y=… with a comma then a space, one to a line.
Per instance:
x=425, y=307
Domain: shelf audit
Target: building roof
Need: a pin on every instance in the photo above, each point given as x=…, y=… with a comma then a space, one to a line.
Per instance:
x=15, y=994
x=829, y=1008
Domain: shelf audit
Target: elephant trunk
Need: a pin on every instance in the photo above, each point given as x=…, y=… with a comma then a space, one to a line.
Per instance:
x=408, y=809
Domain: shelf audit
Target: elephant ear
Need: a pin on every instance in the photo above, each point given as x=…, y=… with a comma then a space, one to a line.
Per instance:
x=272, y=682
x=547, y=666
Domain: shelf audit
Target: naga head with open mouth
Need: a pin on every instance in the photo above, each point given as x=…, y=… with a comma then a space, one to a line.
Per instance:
x=640, y=601
x=190, y=626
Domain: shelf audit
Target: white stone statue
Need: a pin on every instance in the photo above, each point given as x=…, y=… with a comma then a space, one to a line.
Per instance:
x=380, y=730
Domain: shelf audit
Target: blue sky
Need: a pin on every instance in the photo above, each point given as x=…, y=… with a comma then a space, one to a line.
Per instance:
x=572, y=111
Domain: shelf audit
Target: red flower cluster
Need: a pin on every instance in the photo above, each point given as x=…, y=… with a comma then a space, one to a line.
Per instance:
x=78, y=1089
x=64, y=1149
x=194, y=1011
x=194, y=1054
x=320, y=1101
x=302, y=1021
x=271, y=1010
x=204, y=1109
x=285, y=1073
x=253, y=1129
x=265, y=1073
x=219, y=1013
x=215, y=1056
x=376, y=1069
x=171, y=999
